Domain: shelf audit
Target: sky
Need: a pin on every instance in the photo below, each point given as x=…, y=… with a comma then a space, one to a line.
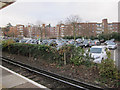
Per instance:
x=53, y=11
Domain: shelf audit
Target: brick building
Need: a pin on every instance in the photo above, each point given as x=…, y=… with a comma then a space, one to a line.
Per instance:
x=92, y=29
x=79, y=29
x=17, y=31
x=20, y=29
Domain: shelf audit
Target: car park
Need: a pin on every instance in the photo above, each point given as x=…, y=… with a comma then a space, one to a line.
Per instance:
x=98, y=53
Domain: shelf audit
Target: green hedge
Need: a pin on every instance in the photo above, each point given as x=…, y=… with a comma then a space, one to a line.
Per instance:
x=38, y=51
x=41, y=51
x=31, y=50
x=114, y=35
x=71, y=37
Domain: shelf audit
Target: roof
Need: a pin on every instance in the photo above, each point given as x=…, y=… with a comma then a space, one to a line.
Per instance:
x=4, y=3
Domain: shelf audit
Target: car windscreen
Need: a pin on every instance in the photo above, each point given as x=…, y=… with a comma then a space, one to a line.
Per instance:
x=95, y=50
x=111, y=43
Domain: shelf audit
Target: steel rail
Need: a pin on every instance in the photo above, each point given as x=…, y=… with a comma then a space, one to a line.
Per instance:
x=74, y=83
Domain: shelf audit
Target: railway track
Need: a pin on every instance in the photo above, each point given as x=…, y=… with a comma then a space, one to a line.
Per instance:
x=32, y=73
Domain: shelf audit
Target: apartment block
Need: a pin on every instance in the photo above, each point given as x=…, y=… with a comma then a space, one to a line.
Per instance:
x=92, y=28
x=61, y=30
x=16, y=31
x=20, y=29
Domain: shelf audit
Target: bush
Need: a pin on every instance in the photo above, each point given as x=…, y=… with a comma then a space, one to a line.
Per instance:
x=114, y=35
x=68, y=51
x=79, y=58
x=72, y=37
x=31, y=50
x=68, y=37
x=107, y=68
x=6, y=44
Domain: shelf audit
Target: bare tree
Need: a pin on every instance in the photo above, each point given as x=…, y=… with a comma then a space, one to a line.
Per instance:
x=39, y=29
x=59, y=29
x=25, y=32
x=72, y=22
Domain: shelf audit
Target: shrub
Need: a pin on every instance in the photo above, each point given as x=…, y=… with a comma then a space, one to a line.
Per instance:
x=31, y=50
x=79, y=58
x=66, y=52
x=6, y=44
x=107, y=68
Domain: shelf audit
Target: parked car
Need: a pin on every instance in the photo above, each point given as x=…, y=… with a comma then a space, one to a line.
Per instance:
x=98, y=53
x=102, y=41
x=108, y=41
x=111, y=45
x=73, y=42
x=97, y=42
x=79, y=40
x=52, y=43
x=79, y=45
x=91, y=43
x=16, y=40
x=59, y=45
x=112, y=40
x=85, y=43
x=22, y=41
x=34, y=41
x=44, y=42
x=29, y=41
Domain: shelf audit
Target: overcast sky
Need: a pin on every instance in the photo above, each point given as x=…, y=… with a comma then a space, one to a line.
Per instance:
x=31, y=11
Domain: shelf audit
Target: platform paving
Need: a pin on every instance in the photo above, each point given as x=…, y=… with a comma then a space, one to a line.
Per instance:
x=11, y=80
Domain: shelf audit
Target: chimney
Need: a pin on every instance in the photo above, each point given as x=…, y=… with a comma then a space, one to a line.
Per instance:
x=105, y=26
